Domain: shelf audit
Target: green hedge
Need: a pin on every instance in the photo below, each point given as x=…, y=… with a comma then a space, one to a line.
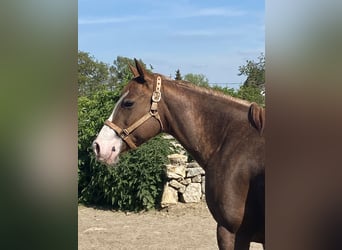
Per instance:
x=136, y=182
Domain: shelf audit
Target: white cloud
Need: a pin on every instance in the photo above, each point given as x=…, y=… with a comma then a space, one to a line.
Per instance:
x=228, y=32
x=195, y=33
x=110, y=20
x=222, y=12
x=172, y=14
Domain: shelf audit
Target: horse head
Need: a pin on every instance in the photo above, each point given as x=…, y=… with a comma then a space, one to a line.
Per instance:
x=135, y=118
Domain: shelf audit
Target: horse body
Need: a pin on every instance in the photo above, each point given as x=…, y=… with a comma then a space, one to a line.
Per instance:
x=222, y=133
x=216, y=131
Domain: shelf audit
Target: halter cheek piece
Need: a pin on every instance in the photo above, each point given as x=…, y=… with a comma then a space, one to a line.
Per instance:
x=125, y=133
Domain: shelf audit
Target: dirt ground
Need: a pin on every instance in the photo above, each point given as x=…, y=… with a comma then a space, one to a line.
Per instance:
x=183, y=226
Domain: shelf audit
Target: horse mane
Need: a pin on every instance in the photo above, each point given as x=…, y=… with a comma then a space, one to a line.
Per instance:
x=208, y=91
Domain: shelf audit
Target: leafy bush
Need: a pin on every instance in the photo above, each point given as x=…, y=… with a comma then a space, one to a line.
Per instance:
x=91, y=114
x=136, y=182
x=251, y=93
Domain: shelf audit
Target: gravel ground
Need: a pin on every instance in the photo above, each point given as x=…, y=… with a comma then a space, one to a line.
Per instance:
x=183, y=226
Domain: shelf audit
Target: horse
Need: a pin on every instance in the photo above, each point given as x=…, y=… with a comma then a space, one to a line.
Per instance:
x=225, y=135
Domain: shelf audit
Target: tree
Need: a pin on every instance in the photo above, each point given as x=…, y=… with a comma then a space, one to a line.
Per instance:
x=253, y=89
x=178, y=75
x=251, y=93
x=92, y=74
x=255, y=72
x=120, y=73
x=198, y=79
x=225, y=90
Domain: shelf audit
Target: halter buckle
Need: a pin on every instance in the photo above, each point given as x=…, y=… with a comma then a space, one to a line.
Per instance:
x=124, y=133
x=156, y=96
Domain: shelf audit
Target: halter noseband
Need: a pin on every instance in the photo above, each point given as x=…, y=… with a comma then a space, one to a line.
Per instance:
x=125, y=133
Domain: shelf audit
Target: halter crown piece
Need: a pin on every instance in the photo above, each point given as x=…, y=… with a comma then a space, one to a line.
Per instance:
x=125, y=133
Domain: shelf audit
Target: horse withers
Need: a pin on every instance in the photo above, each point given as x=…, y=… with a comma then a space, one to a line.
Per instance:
x=224, y=134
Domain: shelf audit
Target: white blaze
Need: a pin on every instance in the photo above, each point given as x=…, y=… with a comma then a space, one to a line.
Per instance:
x=108, y=140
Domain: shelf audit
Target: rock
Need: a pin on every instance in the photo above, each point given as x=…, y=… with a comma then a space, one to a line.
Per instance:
x=176, y=184
x=197, y=179
x=191, y=172
x=168, y=137
x=170, y=196
x=175, y=171
x=193, y=164
x=182, y=189
x=203, y=184
x=171, y=175
x=192, y=193
x=177, y=159
x=255, y=246
x=185, y=181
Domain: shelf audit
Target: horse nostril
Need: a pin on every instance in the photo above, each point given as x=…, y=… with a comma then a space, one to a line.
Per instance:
x=113, y=148
x=96, y=148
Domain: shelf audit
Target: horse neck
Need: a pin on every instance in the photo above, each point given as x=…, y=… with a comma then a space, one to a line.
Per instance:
x=198, y=119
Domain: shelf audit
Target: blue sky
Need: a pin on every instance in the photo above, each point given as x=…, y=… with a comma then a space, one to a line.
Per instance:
x=212, y=38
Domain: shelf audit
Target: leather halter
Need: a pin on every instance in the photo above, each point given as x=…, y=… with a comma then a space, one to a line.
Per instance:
x=125, y=133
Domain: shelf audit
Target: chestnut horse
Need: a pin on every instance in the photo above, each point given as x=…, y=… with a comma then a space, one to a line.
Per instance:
x=224, y=135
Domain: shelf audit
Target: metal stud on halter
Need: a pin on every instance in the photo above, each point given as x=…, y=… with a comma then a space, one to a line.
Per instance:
x=156, y=96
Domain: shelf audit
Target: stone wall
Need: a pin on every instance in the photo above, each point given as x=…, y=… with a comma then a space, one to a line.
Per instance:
x=185, y=181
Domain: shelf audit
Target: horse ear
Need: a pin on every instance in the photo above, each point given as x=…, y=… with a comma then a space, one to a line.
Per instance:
x=133, y=70
x=140, y=69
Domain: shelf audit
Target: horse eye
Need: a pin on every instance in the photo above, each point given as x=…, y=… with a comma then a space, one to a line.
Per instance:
x=127, y=104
